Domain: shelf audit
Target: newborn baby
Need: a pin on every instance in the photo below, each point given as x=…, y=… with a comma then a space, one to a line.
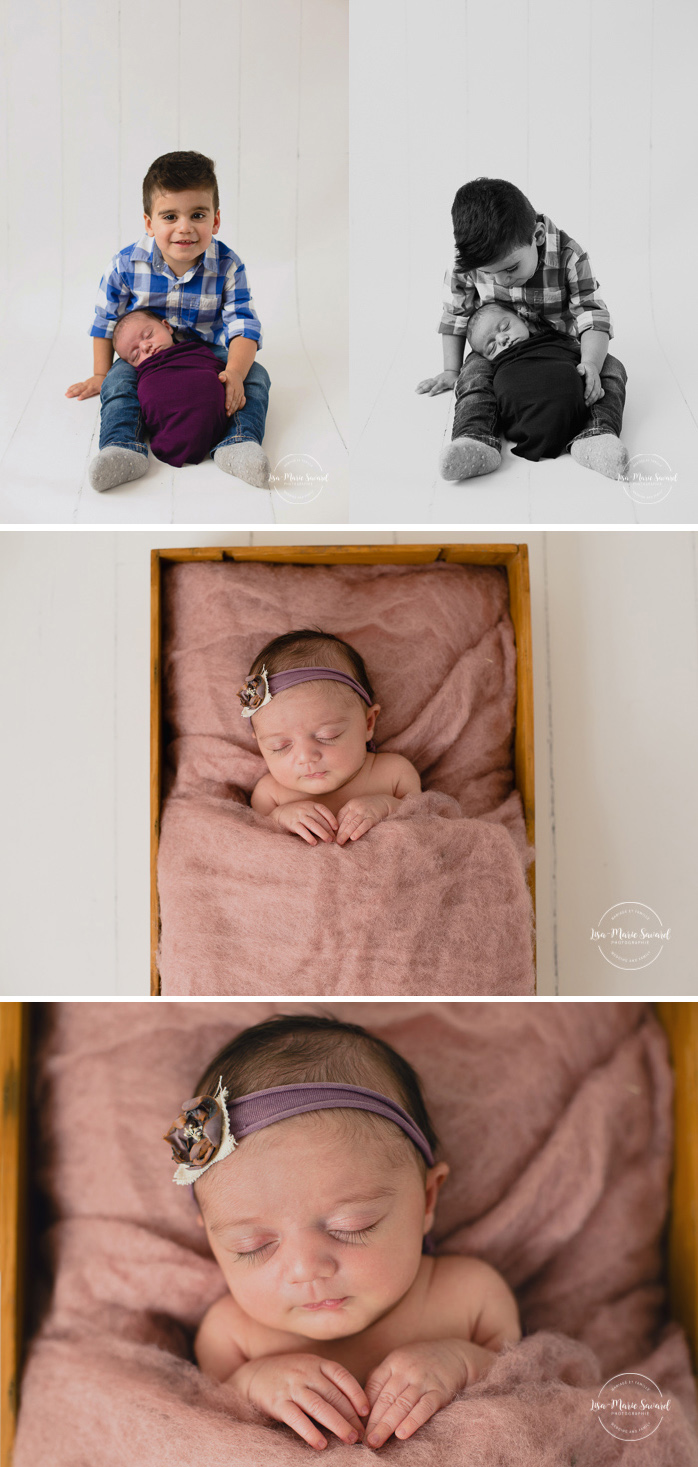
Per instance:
x=537, y=382
x=337, y=1315
x=179, y=388
x=314, y=714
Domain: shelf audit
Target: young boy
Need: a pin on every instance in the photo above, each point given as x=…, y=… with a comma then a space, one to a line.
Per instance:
x=506, y=252
x=198, y=286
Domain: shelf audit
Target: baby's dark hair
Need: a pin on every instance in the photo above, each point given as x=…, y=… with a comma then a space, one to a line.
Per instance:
x=312, y=648
x=291, y=1049
x=139, y=311
x=490, y=219
x=173, y=173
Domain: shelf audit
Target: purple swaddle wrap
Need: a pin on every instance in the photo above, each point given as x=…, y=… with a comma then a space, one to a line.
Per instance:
x=183, y=402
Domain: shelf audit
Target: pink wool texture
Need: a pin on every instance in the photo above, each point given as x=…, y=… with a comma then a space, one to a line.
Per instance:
x=434, y=899
x=556, y=1122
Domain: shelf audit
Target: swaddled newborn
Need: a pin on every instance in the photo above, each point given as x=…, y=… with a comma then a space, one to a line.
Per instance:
x=539, y=391
x=179, y=388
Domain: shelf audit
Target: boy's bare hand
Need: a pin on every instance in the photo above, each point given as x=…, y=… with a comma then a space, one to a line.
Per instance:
x=592, y=384
x=414, y=1382
x=303, y=1389
x=445, y=382
x=306, y=819
x=360, y=814
x=90, y=388
x=234, y=390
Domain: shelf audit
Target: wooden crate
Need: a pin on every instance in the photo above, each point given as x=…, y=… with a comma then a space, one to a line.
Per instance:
x=679, y=1019
x=513, y=557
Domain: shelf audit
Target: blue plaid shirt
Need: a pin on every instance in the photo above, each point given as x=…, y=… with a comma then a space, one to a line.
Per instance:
x=212, y=299
x=563, y=291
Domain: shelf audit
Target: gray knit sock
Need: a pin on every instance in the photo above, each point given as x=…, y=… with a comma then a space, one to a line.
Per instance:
x=117, y=465
x=246, y=460
x=603, y=452
x=466, y=458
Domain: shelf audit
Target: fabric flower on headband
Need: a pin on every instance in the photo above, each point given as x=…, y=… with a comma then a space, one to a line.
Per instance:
x=254, y=693
x=200, y=1135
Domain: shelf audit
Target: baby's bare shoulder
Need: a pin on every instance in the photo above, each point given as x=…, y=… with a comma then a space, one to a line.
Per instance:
x=264, y=795
x=474, y=1291
x=396, y=771
x=220, y=1345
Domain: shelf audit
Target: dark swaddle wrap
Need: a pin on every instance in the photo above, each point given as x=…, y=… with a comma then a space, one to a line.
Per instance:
x=183, y=402
x=540, y=394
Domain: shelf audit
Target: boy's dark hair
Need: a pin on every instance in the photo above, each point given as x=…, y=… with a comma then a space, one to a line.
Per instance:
x=491, y=218
x=291, y=1049
x=312, y=648
x=174, y=172
x=139, y=311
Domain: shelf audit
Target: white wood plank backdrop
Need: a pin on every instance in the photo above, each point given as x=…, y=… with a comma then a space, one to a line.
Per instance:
x=590, y=109
x=615, y=632
x=93, y=92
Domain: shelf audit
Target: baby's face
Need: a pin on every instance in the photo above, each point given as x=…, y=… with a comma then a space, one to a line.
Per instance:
x=182, y=225
x=313, y=737
x=317, y=1228
x=519, y=265
x=495, y=330
x=142, y=338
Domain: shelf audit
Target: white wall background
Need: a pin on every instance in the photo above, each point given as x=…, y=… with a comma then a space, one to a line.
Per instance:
x=92, y=92
x=615, y=633
x=591, y=109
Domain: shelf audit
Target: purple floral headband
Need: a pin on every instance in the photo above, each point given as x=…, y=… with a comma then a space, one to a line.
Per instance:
x=209, y=1127
x=259, y=690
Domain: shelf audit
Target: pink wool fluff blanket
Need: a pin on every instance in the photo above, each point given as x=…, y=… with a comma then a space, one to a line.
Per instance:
x=556, y=1121
x=434, y=899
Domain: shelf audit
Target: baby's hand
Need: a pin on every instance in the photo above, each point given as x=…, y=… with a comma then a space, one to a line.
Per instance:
x=445, y=381
x=90, y=388
x=306, y=819
x=415, y=1381
x=592, y=386
x=234, y=390
x=296, y=1388
x=359, y=814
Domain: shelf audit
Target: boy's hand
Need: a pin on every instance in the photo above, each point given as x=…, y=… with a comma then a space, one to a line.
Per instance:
x=592, y=385
x=296, y=1388
x=234, y=390
x=91, y=388
x=414, y=1382
x=306, y=819
x=361, y=813
x=445, y=382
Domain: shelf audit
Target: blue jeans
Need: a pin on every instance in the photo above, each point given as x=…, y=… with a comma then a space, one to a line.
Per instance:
x=476, y=405
x=122, y=422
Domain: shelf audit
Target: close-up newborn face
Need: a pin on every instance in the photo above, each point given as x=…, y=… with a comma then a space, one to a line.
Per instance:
x=313, y=737
x=142, y=338
x=317, y=1223
x=495, y=330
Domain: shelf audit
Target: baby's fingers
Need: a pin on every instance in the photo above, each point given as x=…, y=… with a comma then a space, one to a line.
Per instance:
x=292, y=1415
x=388, y=1412
x=347, y=1384
x=327, y=1414
x=309, y=828
x=424, y=1409
x=327, y=815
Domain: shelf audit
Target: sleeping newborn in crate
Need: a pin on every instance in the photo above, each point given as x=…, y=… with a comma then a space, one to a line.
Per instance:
x=314, y=715
x=312, y=1153
x=537, y=383
x=180, y=388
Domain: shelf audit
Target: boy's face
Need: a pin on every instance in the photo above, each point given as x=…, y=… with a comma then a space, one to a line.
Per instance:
x=318, y=1230
x=142, y=337
x=495, y=330
x=519, y=265
x=182, y=226
x=313, y=737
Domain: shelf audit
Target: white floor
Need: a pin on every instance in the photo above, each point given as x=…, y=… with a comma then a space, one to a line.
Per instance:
x=94, y=92
x=615, y=633
x=590, y=109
